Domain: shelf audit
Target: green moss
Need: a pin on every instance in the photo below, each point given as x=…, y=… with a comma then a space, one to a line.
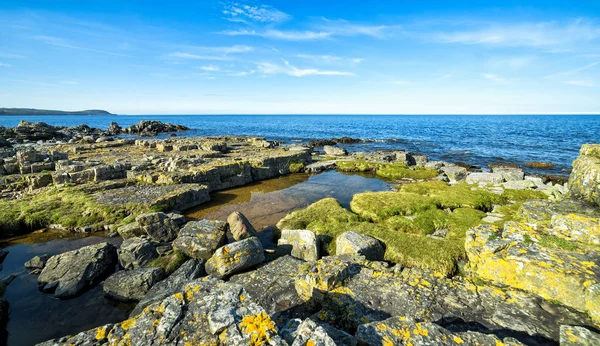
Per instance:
x=65, y=206
x=523, y=195
x=358, y=165
x=460, y=195
x=296, y=167
x=400, y=171
x=554, y=242
x=510, y=212
x=168, y=263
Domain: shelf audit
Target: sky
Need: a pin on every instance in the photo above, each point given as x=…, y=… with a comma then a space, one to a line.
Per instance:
x=301, y=57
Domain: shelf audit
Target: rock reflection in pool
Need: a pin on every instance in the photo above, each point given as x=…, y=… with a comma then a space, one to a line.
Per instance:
x=266, y=202
x=36, y=316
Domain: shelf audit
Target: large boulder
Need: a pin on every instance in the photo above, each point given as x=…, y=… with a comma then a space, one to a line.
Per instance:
x=200, y=239
x=334, y=151
x=136, y=252
x=131, y=230
x=484, y=178
x=131, y=285
x=189, y=271
x=159, y=226
x=302, y=243
x=354, y=243
x=584, y=180
x=240, y=227
x=581, y=228
x=235, y=257
x=455, y=173
x=72, y=272
x=508, y=171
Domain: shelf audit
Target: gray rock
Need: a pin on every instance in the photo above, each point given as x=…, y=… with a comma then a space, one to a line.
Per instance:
x=310, y=331
x=158, y=226
x=235, y=257
x=72, y=272
x=200, y=239
x=130, y=230
x=578, y=336
x=334, y=151
x=519, y=184
x=484, y=178
x=455, y=173
x=131, y=285
x=189, y=271
x=38, y=262
x=437, y=165
x=320, y=166
x=354, y=243
x=303, y=244
x=240, y=227
x=178, y=218
x=136, y=252
x=509, y=172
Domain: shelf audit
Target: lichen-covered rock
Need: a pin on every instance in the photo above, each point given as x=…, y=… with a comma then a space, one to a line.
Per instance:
x=72, y=272
x=159, y=226
x=199, y=239
x=455, y=173
x=240, y=227
x=584, y=180
x=309, y=333
x=514, y=257
x=136, y=252
x=334, y=151
x=303, y=244
x=542, y=210
x=131, y=285
x=189, y=271
x=235, y=257
x=130, y=230
x=206, y=312
x=354, y=243
x=402, y=330
x=279, y=276
x=576, y=227
x=578, y=336
x=325, y=275
x=484, y=178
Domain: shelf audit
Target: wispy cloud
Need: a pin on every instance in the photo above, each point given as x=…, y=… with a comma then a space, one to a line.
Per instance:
x=400, y=82
x=329, y=59
x=5, y=65
x=290, y=70
x=513, y=62
x=61, y=42
x=11, y=56
x=493, y=77
x=289, y=35
x=534, y=34
x=210, y=53
x=210, y=68
x=573, y=71
x=342, y=27
x=240, y=12
x=69, y=82
x=581, y=83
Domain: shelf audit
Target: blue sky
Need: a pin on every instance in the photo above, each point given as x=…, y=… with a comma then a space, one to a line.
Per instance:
x=394, y=57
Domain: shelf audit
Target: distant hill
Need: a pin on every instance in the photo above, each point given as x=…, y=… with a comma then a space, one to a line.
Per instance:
x=32, y=111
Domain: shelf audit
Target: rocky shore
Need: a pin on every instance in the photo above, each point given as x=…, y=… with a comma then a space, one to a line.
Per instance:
x=452, y=256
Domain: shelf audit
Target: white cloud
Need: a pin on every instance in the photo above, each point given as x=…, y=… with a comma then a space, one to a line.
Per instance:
x=210, y=53
x=11, y=56
x=238, y=12
x=328, y=59
x=61, y=42
x=493, y=77
x=5, y=65
x=69, y=82
x=290, y=70
x=536, y=34
x=342, y=27
x=279, y=35
x=210, y=68
x=574, y=71
x=515, y=62
x=581, y=83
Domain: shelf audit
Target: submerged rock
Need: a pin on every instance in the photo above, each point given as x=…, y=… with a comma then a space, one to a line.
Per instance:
x=131, y=285
x=302, y=244
x=72, y=272
x=200, y=239
x=235, y=257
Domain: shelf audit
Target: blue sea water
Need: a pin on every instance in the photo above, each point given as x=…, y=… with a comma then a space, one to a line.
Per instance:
x=473, y=139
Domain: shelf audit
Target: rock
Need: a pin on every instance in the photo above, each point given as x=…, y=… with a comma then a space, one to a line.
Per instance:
x=72, y=272
x=200, y=239
x=303, y=244
x=37, y=262
x=509, y=171
x=178, y=218
x=324, y=275
x=235, y=257
x=484, y=178
x=334, y=151
x=437, y=165
x=113, y=129
x=584, y=180
x=519, y=184
x=35, y=131
x=131, y=230
x=576, y=227
x=206, y=312
x=514, y=257
x=150, y=127
x=279, y=276
x=309, y=333
x=420, y=160
x=320, y=166
x=354, y=243
x=578, y=336
x=3, y=254
x=189, y=271
x=158, y=226
x=136, y=252
x=4, y=142
x=131, y=285
x=536, y=210
x=240, y=227
x=402, y=330
x=455, y=173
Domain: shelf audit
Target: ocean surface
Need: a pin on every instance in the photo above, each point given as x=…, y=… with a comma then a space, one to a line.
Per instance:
x=477, y=140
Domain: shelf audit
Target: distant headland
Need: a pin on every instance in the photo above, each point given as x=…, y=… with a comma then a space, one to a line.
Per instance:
x=33, y=111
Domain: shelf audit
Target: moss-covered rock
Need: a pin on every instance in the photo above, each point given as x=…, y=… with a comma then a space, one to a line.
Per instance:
x=584, y=180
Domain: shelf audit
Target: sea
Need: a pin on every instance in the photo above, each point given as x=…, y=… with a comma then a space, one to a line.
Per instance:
x=474, y=139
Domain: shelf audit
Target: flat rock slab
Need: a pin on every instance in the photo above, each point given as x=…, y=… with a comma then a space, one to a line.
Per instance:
x=199, y=239
x=72, y=272
x=131, y=285
x=171, y=197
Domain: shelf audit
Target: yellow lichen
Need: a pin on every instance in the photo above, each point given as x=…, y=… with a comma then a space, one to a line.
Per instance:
x=259, y=327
